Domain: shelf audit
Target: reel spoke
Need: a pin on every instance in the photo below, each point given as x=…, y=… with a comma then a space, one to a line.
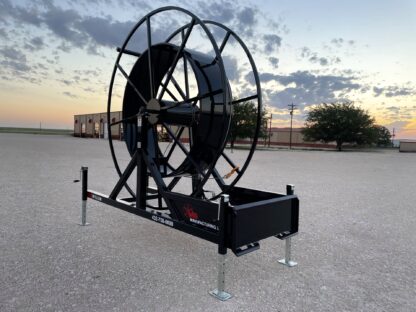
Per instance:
x=231, y=163
x=131, y=83
x=184, y=150
x=178, y=88
x=149, y=55
x=178, y=135
x=249, y=98
x=177, y=56
x=140, y=113
x=224, y=41
x=169, y=92
x=185, y=71
x=193, y=100
x=129, y=52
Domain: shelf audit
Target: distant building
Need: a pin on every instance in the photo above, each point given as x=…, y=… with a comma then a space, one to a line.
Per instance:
x=407, y=146
x=95, y=126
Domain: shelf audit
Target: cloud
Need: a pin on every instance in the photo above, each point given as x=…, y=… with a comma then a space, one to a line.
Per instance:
x=64, y=24
x=14, y=60
x=35, y=44
x=3, y=33
x=393, y=91
x=66, y=81
x=305, y=88
x=13, y=54
x=274, y=61
x=323, y=61
x=74, y=29
x=15, y=66
x=314, y=58
x=337, y=42
x=104, y=31
x=246, y=16
x=220, y=11
x=69, y=94
x=231, y=67
x=394, y=109
x=88, y=32
x=377, y=91
x=272, y=43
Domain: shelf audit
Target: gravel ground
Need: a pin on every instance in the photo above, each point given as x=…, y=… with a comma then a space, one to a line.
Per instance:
x=356, y=247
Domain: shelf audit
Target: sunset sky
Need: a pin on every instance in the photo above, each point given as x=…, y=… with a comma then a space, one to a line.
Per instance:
x=57, y=56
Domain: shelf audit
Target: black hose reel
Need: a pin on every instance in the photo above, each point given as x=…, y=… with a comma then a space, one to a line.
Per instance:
x=177, y=98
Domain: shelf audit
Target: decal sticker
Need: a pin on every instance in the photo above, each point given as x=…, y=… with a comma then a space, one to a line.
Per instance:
x=189, y=212
x=96, y=197
x=162, y=220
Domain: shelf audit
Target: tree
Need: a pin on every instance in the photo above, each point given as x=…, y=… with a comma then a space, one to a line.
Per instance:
x=339, y=122
x=244, y=120
x=383, y=136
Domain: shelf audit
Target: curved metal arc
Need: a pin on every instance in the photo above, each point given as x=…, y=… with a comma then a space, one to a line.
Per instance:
x=258, y=95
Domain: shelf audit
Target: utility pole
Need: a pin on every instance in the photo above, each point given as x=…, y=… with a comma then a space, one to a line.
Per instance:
x=393, y=136
x=291, y=109
x=270, y=128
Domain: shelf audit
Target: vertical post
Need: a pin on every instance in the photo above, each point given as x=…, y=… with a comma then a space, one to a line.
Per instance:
x=291, y=108
x=270, y=128
x=220, y=292
x=290, y=190
x=84, y=186
x=142, y=178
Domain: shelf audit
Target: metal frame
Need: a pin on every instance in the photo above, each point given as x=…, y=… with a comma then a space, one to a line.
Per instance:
x=237, y=218
x=224, y=233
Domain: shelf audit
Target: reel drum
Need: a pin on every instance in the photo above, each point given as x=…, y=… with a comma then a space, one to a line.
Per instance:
x=149, y=97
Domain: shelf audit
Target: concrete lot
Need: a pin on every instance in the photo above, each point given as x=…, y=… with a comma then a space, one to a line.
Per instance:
x=356, y=247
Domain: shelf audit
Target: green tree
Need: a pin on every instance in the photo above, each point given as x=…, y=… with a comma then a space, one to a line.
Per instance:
x=383, y=136
x=244, y=120
x=339, y=122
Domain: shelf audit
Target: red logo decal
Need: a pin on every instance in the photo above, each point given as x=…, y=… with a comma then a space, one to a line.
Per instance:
x=189, y=212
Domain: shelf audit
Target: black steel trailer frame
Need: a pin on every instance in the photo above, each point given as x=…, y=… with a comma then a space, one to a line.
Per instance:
x=243, y=218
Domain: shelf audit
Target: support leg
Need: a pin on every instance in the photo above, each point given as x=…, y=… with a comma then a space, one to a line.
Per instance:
x=84, y=181
x=288, y=254
x=290, y=190
x=219, y=292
